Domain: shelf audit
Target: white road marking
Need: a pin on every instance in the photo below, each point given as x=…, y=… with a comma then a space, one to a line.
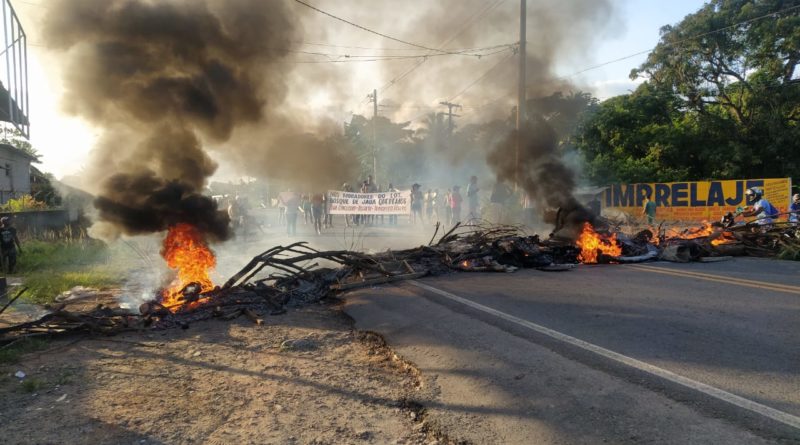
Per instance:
x=741, y=402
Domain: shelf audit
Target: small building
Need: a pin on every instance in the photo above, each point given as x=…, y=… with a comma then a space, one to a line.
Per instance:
x=15, y=172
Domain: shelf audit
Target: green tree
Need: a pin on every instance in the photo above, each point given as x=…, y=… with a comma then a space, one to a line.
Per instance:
x=15, y=138
x=389, y=137
x=738, y=81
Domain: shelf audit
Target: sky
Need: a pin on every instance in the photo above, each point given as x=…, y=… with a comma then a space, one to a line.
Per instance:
x=65, y=141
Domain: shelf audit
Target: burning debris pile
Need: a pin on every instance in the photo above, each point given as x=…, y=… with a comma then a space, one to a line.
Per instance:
x=295, y=275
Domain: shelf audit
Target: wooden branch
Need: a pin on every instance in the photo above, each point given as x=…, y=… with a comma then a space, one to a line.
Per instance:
x=11, y=301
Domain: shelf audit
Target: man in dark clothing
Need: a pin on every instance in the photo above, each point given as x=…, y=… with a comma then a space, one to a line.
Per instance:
x=594, y=205
x=9, y=244
x=500, y=194
x=292, y=202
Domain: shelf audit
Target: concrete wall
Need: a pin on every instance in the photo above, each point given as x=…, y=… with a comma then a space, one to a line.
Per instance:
x=38, y=220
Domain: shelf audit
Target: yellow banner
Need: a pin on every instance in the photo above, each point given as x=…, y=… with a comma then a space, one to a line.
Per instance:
x=695, y=201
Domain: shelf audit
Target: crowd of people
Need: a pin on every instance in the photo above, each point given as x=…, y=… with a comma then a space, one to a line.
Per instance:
x=427, y=207
x=448, y=206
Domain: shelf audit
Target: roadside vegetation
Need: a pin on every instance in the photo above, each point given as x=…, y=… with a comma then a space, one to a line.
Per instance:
x=50, y=267
x=789, y=253
x=11, y=353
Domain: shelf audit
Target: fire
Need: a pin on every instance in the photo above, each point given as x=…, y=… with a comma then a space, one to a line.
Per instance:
x=592, y=242
x=717, y=236
x=724, y=238
x=697, y=232
x=186, y=251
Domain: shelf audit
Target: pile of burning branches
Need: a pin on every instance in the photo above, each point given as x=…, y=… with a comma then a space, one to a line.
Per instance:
x=297, y=274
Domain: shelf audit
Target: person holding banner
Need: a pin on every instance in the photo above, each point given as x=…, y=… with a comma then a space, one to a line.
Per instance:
x=392, y=218
x=347, y=189
x=369, y=187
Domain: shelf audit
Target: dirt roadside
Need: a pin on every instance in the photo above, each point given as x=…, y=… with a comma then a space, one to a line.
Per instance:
x=305, y=377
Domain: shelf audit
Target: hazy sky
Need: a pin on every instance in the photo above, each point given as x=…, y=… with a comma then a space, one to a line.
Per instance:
x=65, y=141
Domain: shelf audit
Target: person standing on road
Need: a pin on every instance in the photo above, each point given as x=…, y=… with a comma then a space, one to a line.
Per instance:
x=500, y=194
x=794, y=210
x=328, y=219
x=528, y=209
x=317, y=202
x=472, y=199
x=347, y=189
x=392, y=218
x=416, y=204
x=429, y=198
x=455, y=205
x=445, y=207
x=9, y=245
x=595, y=206
x=371, y=187
x=305, y=207
x=436, y=205
x=649, y=209
x=235, y=213
x=363, y=219
x=292, y=202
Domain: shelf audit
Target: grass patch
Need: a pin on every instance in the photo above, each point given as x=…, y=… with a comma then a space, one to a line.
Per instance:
x=52, y=267
x=37, y=255
x=11, y=354
x=789, y=253
x=32, y=384
x=64, y=377
x=44, y=286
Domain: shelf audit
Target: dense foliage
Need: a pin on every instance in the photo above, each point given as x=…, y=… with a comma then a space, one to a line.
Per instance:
x=721, y=99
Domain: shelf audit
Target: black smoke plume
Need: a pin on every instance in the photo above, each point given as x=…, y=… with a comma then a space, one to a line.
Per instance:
x=161, y=78
x=540, y=171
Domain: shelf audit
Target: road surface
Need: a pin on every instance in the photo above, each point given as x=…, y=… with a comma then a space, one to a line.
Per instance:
x=651, y=353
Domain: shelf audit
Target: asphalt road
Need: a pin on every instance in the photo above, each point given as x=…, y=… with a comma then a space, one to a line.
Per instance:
x=654, y=353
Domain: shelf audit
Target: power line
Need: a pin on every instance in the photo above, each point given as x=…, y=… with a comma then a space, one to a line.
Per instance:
x=373, y=31
x=377, y=48
x=670, y=44
x=471, y=84
x=466, y=24
x=480, y=52
x=485, y=74
x=378, y=58
x=480, y=78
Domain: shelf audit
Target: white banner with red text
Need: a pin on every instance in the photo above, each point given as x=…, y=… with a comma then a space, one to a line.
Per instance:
x=384, y=203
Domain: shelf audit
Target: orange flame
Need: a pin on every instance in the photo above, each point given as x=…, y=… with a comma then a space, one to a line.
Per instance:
x=705, y=230
x=592, y=242
x=186, y=251
x=697, y=232
x=724, y=238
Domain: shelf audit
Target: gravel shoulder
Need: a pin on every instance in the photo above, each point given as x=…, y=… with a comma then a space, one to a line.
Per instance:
x=305, y=377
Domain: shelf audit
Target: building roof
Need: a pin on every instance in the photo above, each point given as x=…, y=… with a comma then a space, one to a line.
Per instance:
x=16, y=151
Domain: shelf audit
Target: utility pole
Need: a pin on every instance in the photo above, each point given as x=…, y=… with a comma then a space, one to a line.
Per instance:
x=374, y=99
x=521, y=105
x=450, y=115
